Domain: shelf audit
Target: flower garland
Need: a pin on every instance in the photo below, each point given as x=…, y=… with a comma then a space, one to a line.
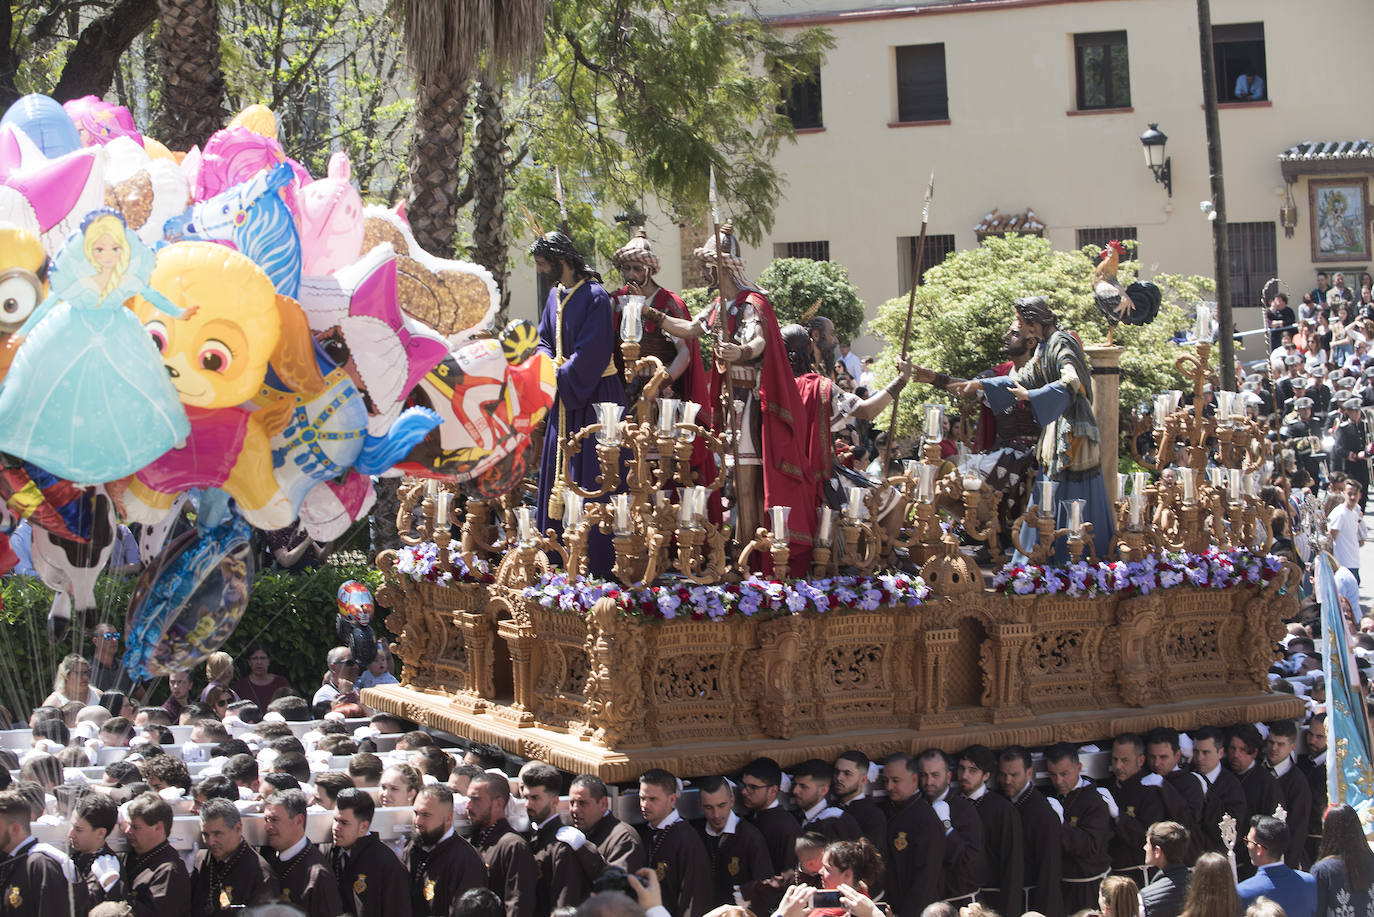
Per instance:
x=1212, y=569
x=420, y=562
x=753, y=597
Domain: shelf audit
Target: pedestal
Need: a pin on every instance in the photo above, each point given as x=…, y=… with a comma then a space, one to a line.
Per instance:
x=1106, y=363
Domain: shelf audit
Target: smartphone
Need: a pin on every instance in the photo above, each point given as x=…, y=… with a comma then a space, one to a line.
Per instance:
x=825, y=898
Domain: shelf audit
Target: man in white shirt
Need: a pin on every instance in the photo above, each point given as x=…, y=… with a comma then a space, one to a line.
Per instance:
x=1347, y=529
x=851, y=362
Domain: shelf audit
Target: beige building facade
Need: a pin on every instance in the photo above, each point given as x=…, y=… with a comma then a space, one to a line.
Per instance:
x=1032, y=111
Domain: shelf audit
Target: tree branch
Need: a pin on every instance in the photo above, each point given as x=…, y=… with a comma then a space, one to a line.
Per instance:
x=91, y=63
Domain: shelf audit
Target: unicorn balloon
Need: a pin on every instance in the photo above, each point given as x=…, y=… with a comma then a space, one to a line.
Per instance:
x=252, y=216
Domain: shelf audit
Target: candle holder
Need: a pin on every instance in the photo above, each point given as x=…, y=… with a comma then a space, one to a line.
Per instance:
x=764, y=540
x=982, y=524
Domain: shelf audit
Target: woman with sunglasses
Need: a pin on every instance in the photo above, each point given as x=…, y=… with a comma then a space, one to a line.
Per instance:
x=219, y=670
x=259, y=685
x=219, y=700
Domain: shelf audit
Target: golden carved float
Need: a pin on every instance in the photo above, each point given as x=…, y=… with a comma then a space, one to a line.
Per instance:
x=613, y=695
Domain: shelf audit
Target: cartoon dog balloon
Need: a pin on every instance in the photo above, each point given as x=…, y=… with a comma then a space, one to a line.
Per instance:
x=217, y=357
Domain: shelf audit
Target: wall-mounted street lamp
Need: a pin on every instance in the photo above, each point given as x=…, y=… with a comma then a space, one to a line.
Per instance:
x=1288, y=213
x=1153, y=141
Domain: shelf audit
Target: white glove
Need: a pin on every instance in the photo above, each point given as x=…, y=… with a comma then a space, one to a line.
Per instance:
x=1152, y=780
x=1110, y=800
x=1058, y=809
x=571, y=836
x=192, y=753
x=106, y=871
x=942, y=812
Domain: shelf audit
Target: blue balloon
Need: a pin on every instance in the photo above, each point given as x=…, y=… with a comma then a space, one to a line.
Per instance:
x=46, y=124
x=189, y=601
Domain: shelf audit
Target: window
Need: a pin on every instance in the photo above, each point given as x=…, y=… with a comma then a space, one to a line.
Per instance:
x=1102, y=235
x=936, y=250
x=1254, y=260
x=1104, y=73
x=922, y=94
x=1238, y=55
x=801, y=98
x=816, y=251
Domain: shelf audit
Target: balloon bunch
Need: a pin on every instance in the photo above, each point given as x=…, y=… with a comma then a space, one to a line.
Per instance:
x=218, y=326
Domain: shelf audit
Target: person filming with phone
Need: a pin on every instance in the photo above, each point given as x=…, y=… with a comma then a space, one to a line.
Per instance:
x=848, y=868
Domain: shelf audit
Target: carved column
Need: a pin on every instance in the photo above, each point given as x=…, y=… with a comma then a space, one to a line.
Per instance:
x=1010, y=688
x=520, y=637
x=934, y=655
x=480, y=686
x=1106, y=364
x=617, y=659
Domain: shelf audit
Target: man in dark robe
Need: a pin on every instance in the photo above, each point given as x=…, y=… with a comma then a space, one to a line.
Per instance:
x=760, y=783
x=560, y=879
x=577, y=329
x=1312, y=763
x=156, y=878
x=1086, y=831
x=615, y=843
x=915, y=850
x=1224, y=793
x=966, y=868
x=227, y=871
x=97, y=868
x=1280, y=756
x=735, y=849
x=1139, y=796
x=849, y=791
x=304, y=875
x=442, y=865
x=35, y=879
x=1257, y=782
x=372, y=881
x=1041, y=830
x=810, y=786
x=1164, y=757
x=1003, y=844
x=676, y=854
x=511, y=871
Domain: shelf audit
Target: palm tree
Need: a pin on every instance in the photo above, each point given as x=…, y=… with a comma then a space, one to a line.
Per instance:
x=448, y=43
x=186, y=46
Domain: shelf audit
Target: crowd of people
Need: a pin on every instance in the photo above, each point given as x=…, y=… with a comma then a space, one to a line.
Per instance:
x=980, y=832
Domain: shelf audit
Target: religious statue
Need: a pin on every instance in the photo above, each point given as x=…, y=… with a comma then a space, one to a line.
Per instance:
x=770, y=462
x=1057, y=383
x=577, y=328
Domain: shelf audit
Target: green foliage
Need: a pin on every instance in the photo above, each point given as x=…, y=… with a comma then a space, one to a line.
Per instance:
x=293, y=615
x=964, y=308
x=794, y=285
x=640, y=99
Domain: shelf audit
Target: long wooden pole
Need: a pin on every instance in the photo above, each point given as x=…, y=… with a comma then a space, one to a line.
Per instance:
x=1221, y=258
x=727, y=391
x=917, y=257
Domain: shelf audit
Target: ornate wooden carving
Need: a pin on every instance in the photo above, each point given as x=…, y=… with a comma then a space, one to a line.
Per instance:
x=617, y=694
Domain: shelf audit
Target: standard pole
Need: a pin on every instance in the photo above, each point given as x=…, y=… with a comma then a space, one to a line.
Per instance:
x=1221, y=255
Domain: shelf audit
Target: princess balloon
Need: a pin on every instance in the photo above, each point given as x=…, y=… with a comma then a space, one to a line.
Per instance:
x=87, y=397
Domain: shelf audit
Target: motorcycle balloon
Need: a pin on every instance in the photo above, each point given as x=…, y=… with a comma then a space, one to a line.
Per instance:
x=189, y=601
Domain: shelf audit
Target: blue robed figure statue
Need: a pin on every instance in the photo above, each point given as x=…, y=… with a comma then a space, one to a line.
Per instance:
x=1057, y=382
x=577, y=328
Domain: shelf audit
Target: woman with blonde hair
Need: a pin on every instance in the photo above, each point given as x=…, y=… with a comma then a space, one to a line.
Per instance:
x=72, y=683
x=1118, y=896
x=219, y=672
x=1212, y=892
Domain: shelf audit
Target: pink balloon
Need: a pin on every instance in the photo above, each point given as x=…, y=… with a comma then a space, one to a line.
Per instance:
x=236, y=154
x=55, y=188
x=331, y=218
x=99, y=121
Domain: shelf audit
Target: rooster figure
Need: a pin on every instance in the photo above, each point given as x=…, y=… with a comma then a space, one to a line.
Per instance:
x=1137, y=304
